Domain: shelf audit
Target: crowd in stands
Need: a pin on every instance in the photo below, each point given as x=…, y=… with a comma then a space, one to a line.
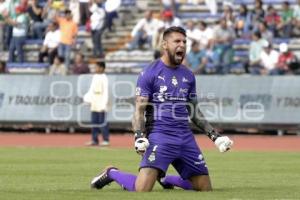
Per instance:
x=210, y=46
x=56, y=23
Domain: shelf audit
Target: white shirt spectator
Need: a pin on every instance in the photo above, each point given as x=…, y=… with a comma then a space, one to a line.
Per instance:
x=52, y=39
x=97, y=17
x=97, y=95
x=270, y=60
x=20, y=30
x=149, y=26
x=204, y=36
x=192, y=35
x=3, y=8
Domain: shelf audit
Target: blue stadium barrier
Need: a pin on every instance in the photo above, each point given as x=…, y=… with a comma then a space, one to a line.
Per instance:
x=27, y=65
x=128, y=3
x=271, y=2
x=241, y=41
x=188, y=15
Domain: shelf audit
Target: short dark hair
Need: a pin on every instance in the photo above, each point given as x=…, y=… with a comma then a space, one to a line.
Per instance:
x=173, y=29
x=68, y=11
x=100, y=64
x=257, y=34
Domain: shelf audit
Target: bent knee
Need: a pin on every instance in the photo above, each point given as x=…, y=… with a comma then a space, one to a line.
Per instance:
x=141, y=188
x=203, y=188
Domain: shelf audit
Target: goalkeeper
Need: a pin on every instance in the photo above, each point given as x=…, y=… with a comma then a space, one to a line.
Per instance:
x=166, y=97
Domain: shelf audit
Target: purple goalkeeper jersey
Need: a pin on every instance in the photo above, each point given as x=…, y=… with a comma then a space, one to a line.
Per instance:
x=169, y=90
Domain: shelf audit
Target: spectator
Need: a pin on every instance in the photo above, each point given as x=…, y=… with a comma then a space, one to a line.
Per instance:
x=68, y=31
x=97, y=97
x=222, y=48
x=171, y=5
x=58, y=67
x=196, y=59
x=272, y=19
x=97, y=27
x=192, y=34
x=212, y=6
x=2, y=67
x=19, y=34
x=35, y=14
x=50, y=44
x=48, y=16
x=296, y=18
x=258, y=14
x=84, y=11
x=269, y=59
x=285, y=27
x=265, y=32
x=228, y=14
x=169, y=19
x=79, y=66
x=74, y=7
x=157, y=42
x=111, y=8
x=287, y=61
x=3, y=15
x=243, y=22
x=144, y=30
x=205, y=35
x=255, y=49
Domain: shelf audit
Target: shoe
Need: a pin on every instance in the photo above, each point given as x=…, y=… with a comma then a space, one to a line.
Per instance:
x=102, y=179
x=104, y=143
x=91, y=143
x=167, y=186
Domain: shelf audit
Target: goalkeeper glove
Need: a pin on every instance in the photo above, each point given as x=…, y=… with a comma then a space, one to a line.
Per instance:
x=223, y=143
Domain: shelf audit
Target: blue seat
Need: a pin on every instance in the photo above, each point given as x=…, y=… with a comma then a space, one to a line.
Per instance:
x=34, y=41
x=241, y=53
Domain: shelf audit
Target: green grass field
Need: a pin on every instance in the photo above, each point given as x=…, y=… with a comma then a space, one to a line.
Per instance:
x=65, y=173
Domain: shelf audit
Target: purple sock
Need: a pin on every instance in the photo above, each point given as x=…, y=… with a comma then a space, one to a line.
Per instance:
x=125, y=180
x=178, y=181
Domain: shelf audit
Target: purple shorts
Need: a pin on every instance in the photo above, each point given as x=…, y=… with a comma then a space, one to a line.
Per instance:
x=180, y=150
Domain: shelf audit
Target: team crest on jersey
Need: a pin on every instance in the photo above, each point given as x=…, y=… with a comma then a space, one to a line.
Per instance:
x=152, y=157
x=174, y=81
x=138, y=91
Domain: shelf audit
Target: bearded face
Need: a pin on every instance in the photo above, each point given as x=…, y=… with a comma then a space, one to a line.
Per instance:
x=176, y=48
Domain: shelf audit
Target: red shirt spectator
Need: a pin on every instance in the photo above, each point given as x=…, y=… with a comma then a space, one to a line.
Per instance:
x=286, y=57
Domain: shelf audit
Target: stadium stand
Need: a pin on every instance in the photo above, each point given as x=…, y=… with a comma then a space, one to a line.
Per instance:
x=119, y=59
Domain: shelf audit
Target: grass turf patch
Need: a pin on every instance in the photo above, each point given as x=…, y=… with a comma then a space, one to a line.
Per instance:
x=65, y=173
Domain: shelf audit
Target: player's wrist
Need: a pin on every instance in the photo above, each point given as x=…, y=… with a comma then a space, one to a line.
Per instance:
x=213, y=135
x=138, y=134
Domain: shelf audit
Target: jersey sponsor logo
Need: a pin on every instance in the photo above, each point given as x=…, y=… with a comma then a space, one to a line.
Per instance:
x=184, y=80
x=161, y=78
x=183, y=90
x=174, y=81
